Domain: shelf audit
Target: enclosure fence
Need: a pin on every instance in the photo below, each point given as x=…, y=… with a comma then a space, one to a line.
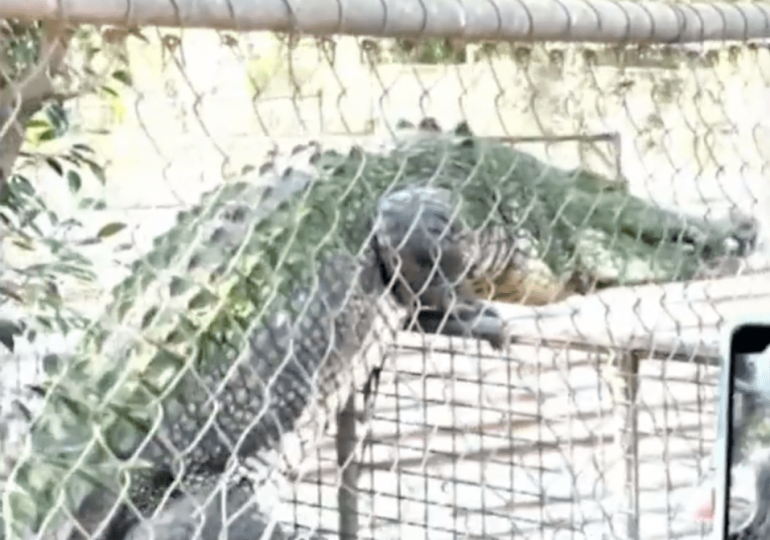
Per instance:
x=238, y=183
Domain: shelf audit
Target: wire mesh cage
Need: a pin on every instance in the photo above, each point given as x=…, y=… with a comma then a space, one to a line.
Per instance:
x=371, y=286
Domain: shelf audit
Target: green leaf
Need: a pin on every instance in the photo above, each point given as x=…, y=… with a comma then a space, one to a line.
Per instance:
x=123, y=76
x=89, y=203
x=22, y=244
x=97, y=171
x=86, y=202
x=110, y=229
x=110, y=91
x=74, y=181
x=83, y=147
x=48, y=135
x=37, y=123
x=22, y=184
x=87, y=242
x=8, y=330
x=58, y=117
x=55, y=165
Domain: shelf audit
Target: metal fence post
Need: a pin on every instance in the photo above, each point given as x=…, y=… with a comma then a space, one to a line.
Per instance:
x=627, y=384
x=347, y=496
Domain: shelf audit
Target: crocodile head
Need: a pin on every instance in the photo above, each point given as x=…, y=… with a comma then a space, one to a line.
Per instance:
x=733, y=238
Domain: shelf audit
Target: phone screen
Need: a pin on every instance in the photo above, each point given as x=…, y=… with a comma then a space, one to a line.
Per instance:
x=742, y=449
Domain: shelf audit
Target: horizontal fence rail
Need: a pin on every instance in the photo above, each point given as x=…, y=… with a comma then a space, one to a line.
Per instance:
x=601, y=21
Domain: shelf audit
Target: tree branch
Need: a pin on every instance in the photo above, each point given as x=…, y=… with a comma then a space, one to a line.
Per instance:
x=21, y=99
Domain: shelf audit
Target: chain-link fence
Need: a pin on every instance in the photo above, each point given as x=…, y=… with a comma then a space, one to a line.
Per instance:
x=416, y=285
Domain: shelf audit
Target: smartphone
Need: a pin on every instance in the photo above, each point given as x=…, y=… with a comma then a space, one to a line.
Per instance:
x=742, y=449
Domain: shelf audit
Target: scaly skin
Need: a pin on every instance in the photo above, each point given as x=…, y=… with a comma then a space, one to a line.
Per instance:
x=261, y=303
x=185, y=517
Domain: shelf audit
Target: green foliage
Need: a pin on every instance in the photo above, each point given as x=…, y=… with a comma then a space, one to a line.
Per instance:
x=436, y=50
x=430, y=51
x=33, y=225
x=30, y=226
x=35, y=286
x=20, y=48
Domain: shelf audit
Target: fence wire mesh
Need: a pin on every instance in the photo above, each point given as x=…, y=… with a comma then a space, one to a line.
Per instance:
x=369, y=287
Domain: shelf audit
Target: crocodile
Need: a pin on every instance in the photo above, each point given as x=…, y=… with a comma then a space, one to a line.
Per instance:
x=265, y=304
